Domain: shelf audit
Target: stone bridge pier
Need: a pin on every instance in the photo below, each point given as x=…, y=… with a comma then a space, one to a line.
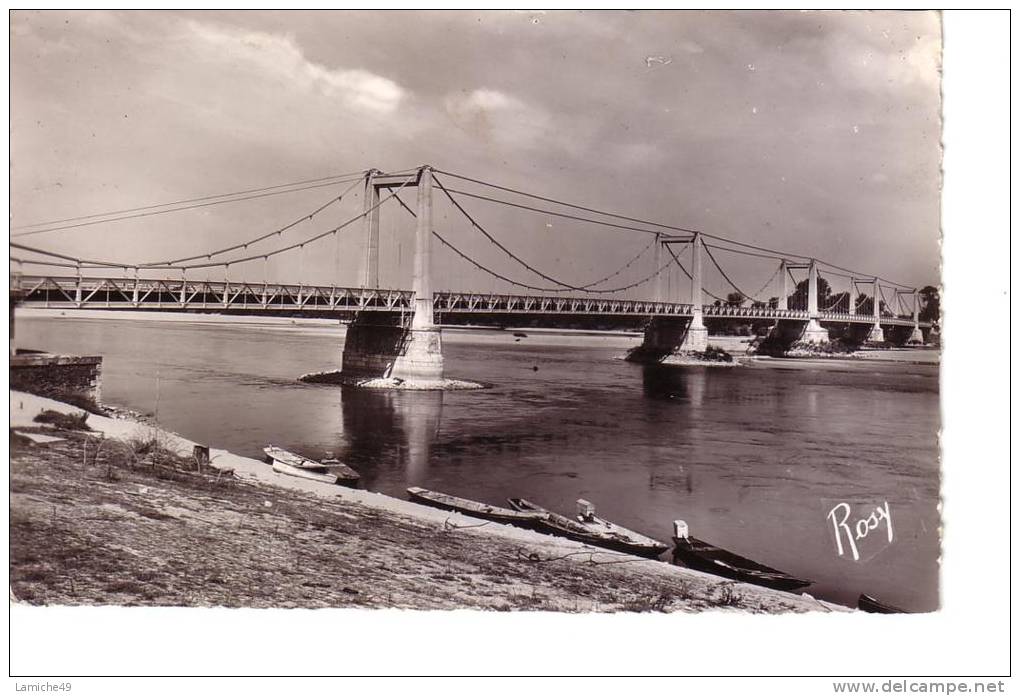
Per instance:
x=669, y=336
x=666, y=337
x=391, y=345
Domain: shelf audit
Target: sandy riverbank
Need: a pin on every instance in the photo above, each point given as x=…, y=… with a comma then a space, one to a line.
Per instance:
x=101, y=532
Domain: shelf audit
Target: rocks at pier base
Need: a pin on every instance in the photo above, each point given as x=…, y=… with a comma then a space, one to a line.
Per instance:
x=829, y=349
x=710, y=357
x=916, y=337
x=670, y=339
x=337, y=377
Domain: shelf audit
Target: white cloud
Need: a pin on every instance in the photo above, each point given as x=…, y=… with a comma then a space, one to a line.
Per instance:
x=280, y=56
x=497, y=117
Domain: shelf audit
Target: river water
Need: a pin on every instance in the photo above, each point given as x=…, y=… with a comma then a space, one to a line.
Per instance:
x=753, y=458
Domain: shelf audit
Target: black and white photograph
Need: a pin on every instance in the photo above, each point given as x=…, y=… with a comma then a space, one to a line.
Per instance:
x=582, y=313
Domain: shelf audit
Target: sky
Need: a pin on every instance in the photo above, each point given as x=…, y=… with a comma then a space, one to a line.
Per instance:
x=816, y=133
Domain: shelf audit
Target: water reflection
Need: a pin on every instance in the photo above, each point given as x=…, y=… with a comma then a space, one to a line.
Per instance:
x=750, y=457
x=387, y=429
x=683, y=384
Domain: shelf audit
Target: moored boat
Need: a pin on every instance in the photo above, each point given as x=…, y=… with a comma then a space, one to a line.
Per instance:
x=295, y=465
x=701, y=555
x=304, y=472
x=592, y=530
x=873, y=606
x=473, y=508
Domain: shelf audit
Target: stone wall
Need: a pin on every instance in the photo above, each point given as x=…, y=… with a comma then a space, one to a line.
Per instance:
x=58, y=375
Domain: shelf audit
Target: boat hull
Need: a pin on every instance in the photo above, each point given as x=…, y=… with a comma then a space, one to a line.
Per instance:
x=287, y=469
x=560, y=525
x=471, y=508
x=699, y=555
x=342, y=473
x=873, y=606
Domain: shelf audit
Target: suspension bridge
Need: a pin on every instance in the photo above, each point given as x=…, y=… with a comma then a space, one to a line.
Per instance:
x=397, y=332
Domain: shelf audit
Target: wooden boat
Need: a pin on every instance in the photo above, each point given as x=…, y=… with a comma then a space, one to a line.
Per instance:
x=285, y=462
x=304, y=472
x=473, y=508
x=873, y=606
x=590, y=529
x=346, y=474
x=700, y=555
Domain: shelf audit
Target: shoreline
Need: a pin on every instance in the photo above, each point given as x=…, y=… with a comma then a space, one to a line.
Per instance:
x=498, y=560
x=734, y=345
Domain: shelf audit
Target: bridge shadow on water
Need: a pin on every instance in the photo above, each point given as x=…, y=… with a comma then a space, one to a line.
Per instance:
x=681, y=384
x=389, y=428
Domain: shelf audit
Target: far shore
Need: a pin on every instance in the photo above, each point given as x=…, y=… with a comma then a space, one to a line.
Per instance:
x=103, y=532
x=735, y=345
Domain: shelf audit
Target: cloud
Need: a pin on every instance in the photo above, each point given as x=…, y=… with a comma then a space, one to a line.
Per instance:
x=281, y=57
x=497, y=117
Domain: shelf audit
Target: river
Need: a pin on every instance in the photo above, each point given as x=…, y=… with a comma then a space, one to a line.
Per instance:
x=753, y=458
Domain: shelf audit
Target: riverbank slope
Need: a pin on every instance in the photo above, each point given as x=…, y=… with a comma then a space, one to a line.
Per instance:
x=92, y=526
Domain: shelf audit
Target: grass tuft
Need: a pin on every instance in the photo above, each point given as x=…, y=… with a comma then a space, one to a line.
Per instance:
x=64, y=421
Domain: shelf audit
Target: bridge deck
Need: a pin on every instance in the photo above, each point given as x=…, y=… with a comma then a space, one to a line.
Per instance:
x=70, y=292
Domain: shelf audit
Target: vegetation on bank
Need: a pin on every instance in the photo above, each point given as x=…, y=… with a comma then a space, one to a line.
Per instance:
x=64, y=421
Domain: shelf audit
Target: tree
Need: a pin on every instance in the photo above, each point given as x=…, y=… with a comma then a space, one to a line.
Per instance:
x=734, y=299
x=931, y=305
x=798, y=300
x=840, y=302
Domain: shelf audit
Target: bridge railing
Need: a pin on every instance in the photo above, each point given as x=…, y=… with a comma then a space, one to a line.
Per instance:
x=486, y=303
x=752, y=312
x=129, y=293
x=181, y=294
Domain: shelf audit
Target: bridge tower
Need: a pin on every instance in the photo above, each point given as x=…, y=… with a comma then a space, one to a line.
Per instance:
x=876, y=335
x=667, y=339
x=785, y=273
x=393, y=345
x=915, y=335
x=696, y=339
x=813, y=331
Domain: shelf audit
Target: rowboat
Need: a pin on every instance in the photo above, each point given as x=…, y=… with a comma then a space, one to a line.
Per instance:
x=473, y=508
x=285, y=462
x=304, y=472
x=700, y=555
x=873, y=606
x=347, y=475
x=589, y=529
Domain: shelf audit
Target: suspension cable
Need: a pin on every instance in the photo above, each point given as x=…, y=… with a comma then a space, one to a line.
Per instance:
x=296, y=245
x=186, y=200
x=176, y=210
x=554, y=213
x=705, y=290
x=90, y=263
x=781, y=254
x=881, y=292
x=525, y=285
x=448, y=193
x=708, y=250
x=256, y=240
x=492, y=239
